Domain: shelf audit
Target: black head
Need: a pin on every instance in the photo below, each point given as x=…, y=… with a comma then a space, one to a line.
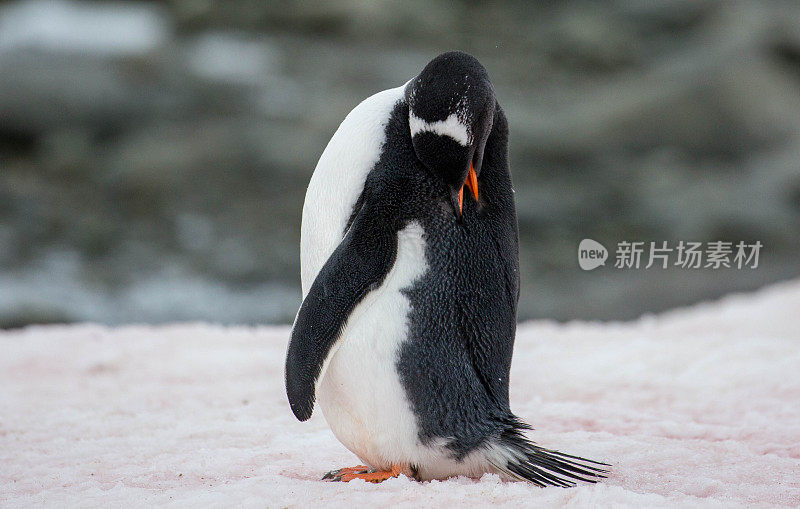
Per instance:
x=451, y=112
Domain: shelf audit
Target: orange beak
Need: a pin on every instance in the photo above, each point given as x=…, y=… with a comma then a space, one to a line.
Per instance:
x=472, y=184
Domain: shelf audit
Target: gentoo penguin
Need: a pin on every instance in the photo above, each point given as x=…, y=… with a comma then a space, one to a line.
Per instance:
x=410, y=287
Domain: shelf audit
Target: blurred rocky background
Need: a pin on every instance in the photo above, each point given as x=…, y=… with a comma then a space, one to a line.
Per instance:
x=154, y=155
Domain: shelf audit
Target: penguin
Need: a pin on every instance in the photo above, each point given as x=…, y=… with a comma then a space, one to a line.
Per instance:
x=410, y=281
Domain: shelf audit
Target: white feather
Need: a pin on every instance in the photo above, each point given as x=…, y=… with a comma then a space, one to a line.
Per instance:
x=451, y=127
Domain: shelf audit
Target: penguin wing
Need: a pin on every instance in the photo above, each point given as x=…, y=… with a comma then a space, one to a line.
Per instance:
x=358, y=265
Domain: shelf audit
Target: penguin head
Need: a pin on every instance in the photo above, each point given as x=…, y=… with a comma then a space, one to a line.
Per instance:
x=451, y=113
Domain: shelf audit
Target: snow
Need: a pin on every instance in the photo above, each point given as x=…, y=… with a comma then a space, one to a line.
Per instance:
x=694, y=408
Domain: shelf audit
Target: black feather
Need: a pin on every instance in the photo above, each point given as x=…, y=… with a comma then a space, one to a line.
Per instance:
x=544, y=467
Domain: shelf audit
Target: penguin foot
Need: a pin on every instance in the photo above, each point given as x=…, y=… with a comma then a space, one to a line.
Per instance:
x=336, y=475
x=365, y=473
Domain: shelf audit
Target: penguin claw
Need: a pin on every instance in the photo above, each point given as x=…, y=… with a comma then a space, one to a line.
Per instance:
x=368, y=475
x=336, y=475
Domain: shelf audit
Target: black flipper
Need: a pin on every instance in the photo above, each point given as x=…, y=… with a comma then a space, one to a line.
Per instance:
x=358, y=265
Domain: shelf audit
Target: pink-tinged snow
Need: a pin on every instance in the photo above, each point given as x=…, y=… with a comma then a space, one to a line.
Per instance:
x=694, y=408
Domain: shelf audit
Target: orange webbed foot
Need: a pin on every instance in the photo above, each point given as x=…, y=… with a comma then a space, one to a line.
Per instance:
x=365, y=473
x=336, y=475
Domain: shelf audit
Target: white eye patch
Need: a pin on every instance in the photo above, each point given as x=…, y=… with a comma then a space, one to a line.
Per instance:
x=451, y=127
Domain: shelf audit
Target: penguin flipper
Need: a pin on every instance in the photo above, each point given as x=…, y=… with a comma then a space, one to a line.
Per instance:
x=359, y=264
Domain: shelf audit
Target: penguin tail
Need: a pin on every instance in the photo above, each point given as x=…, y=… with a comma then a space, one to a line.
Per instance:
x=520, y=459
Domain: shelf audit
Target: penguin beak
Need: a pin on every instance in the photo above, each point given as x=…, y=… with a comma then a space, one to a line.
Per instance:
x=472, y=184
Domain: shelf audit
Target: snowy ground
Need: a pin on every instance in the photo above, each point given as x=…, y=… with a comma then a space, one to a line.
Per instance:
x=695, y=408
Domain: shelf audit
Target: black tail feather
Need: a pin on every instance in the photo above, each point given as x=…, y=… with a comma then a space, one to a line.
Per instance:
x=544, y=467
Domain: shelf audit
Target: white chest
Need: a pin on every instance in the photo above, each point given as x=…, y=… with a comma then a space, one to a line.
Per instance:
x=360, y=393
